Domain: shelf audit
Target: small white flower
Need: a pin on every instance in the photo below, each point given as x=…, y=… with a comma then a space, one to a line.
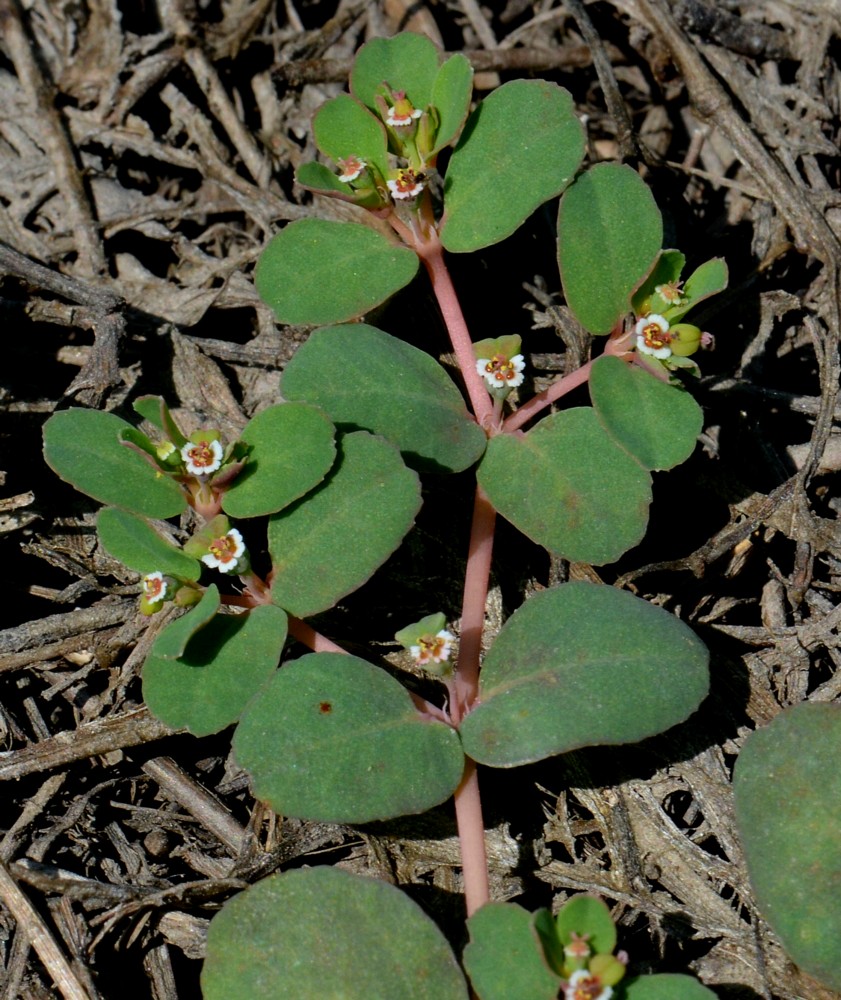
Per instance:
x=406, y=185
x=154, y=587
x=652, y=333
x=670, y=292
x=351, y=168
x=224, y=553
x=583, y=986
x=398, y=117
x=433, y=648
x=203, y=458
x=501, y=372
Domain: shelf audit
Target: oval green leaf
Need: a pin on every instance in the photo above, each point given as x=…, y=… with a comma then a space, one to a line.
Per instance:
x=292, y=450
x=708, y=279
x=504, y=958
x=787, y=788
x=83, y=448
x=332, y=541
x=568, y=486
x=320, y=178
x=520, y=147
x=406, y=62
x=583, y=665
x=137, y=545
x=451, y=95
x=172, y=642
x=609, y=234
x=664, y=986
x=325, y=933
x=342, y=127
x=315, y=271
x=336, y=739
x=364, y=378
x=656, y=422
x=587, y=915
x=221, y=669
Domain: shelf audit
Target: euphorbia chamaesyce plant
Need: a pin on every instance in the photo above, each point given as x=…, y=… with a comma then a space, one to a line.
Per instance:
x=336, y=469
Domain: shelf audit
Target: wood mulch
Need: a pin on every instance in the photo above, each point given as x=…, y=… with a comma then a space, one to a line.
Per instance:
x=147, y=153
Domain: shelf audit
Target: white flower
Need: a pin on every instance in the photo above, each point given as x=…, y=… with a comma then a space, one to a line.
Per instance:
x=652, y=333
x=406, y=185
x=351, y=168
x=583, y=986
x=203, y=458
x=224, y=553
x=433, y=648
x=402, y=115
x=154, y=587
x=501, y=372
x=670, y=292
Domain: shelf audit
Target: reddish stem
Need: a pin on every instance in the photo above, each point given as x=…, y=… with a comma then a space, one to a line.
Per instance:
x=422, y=237
x=465, y=684
x=307, y=635
x=471, y=836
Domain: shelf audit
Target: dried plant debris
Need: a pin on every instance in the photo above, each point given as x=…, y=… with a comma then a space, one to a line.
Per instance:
x=147, y=155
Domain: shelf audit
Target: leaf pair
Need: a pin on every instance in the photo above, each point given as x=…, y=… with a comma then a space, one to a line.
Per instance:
x=291, y=448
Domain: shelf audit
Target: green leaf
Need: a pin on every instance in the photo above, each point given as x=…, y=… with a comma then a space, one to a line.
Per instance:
x=336, y=739
x=787, y=788
x=666, y=271
x=609, y=234
x=364, y=378
x=664, y=986
x=590, y=916
x=583, y=665
x=315, y=271
x=569, y=487
x=656, y=422
x=708, y=279
x=321, y=932
x=222, y=667
x=504, y=958
x=292, y=450
x=406, y=62
x=342, y=127
x=83, y=448
x=172, y=642
x=137, y=545
x=451, y=95
x=320, y=178
x=333, y=540
x=520, y=147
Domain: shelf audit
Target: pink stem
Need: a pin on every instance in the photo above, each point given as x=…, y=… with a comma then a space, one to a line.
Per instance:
x=471, y=835
x=466, y=680
x=307, y=635
x=547, y=397
x=432, y=255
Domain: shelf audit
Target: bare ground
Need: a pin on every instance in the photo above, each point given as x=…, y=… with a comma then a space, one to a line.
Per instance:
x=146, y=154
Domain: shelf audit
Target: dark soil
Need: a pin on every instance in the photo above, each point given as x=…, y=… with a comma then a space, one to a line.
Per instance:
x=147, y=152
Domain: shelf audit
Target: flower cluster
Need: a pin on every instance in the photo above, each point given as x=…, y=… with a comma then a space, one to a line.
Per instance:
x=156, y=589
x=429, y=642
x=499, y=362
x=220, y=547
x=433, y=648
x=409, y=141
